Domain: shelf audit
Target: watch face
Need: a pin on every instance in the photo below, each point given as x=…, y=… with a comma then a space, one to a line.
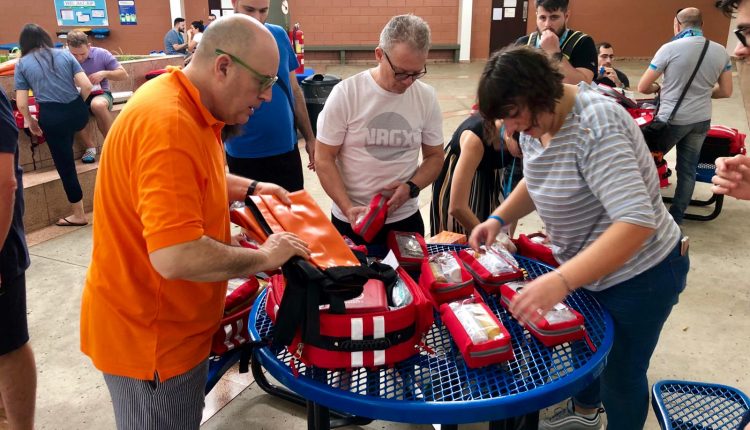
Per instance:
x=413, y=189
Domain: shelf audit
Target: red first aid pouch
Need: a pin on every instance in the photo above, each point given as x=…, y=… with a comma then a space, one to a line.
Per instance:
x=374, y=219
x=490, y=269
x=530, y=248
x=232, y=332
x=410, y=249
x=445, y=278
x=559, y=325
x=478, y=334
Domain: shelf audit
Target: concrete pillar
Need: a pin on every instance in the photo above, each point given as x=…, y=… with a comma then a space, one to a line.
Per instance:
x=464, y=30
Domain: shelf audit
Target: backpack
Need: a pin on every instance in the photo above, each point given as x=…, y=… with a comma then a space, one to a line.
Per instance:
x=567, y=47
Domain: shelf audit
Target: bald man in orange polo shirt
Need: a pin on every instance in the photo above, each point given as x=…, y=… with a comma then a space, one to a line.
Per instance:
x=156, y=286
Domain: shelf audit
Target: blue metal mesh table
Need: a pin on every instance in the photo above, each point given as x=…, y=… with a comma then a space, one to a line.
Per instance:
x=439, y=387
x=683, y=405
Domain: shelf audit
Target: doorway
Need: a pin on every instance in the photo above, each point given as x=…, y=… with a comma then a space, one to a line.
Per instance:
x=508, y=22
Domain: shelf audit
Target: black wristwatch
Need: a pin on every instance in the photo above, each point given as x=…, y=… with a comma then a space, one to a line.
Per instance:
x=557, y=56
x=413, y=189
x=251, y=188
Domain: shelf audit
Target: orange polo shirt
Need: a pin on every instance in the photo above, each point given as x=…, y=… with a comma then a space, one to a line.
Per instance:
x=161, y=182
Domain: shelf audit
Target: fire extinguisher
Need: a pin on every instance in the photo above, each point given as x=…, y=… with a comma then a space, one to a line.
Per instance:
x=297, y=37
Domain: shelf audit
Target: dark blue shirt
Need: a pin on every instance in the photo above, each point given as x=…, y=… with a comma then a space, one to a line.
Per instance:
x=14, y=256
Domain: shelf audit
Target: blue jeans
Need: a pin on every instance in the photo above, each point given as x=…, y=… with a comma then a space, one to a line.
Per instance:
x=689, y=141
x=639, y=308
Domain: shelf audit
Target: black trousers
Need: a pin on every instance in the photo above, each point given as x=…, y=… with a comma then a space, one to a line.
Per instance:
x=412, y=224
x=283, y=169
x=60, y=122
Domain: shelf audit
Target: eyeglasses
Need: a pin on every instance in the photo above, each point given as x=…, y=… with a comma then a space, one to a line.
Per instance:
x=402, y=76
x=742, y=33
x=266, y=81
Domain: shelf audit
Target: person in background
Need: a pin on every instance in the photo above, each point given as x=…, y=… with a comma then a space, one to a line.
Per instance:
x=475, y=172
x=53, y=74
x=623, y=248
x=372, y=129
x=266, y=147
x=607, y=74
x=101, y=67
x=17, y=367
x=211, y=18
x=573, y=51
x=196, y=33
x=174, y=40
x=676, y=60
x=162, y=253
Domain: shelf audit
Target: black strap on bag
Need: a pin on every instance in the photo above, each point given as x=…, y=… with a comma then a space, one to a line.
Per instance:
x=567, y=47
x=308, y=287
x=689, y=82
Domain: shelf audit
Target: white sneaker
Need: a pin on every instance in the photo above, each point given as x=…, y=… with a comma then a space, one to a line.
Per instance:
x=567, y=419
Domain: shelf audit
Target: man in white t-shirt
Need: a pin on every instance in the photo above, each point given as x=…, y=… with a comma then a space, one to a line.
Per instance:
x=371, y=131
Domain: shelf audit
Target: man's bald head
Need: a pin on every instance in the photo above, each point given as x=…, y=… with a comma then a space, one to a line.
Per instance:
x=690, y=17
x=237, y=34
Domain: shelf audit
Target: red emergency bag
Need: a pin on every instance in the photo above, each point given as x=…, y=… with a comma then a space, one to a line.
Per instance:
x=445, y=279
x=529, y=247
x=374, y=219
x=490, y=269
x=721, y=141
x=233, y=331
x=409, y=248
x=559, y=325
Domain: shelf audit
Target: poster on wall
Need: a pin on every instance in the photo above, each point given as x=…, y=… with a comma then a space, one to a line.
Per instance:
x=73, y=13
x=127, y=12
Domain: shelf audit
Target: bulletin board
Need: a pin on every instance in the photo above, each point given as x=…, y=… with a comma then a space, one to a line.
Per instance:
x=76, y=13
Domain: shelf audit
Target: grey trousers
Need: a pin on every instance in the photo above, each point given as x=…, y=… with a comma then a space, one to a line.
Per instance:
x=176, y=403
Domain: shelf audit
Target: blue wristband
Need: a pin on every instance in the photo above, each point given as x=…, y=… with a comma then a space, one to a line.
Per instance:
x=498, y=219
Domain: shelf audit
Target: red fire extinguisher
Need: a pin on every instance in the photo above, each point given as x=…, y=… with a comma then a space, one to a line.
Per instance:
x=298, y=43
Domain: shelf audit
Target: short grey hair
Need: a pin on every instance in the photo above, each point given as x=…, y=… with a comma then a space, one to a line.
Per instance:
x=409, y=29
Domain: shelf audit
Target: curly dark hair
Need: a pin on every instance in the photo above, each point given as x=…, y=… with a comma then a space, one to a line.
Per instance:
x=553, y=5
x=728, y=6
x=518, y=77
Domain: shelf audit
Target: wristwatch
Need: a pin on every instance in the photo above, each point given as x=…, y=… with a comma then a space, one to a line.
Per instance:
x=413, y=189
x=557, y=56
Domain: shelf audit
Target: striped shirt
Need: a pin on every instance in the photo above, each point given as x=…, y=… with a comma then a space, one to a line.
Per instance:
x=595, y=171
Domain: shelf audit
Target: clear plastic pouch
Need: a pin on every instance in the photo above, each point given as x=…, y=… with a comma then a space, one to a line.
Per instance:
x=479, y=325
x=445, y=268
x=409, y=246
x=494, y=263
x=504, y=253
x=559, y=314
x=400, y=294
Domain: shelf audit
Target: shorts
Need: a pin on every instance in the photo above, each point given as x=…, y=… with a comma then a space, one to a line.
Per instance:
x=107, y=96
x=14, y=329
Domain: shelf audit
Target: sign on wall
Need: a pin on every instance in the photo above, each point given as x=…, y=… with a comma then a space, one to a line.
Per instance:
x=127, y=12
x=75, y=13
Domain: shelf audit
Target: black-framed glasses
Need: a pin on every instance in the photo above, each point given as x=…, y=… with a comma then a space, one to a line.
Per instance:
x=266, y=81
x=742, y=34
x=402, y=76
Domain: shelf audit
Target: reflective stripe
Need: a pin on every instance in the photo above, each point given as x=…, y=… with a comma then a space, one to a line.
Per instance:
x=357, y=333
x=378, y=323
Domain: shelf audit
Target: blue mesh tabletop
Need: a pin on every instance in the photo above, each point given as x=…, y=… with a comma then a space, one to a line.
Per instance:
x=439, y=387
x=684, y=405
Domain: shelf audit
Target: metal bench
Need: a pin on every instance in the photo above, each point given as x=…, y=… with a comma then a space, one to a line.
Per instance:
x=685, y=405
x=342, y=49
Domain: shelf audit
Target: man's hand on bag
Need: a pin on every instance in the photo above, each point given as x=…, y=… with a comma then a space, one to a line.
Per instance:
x=354, y=213
x=280, y=247
x=399, y=192
x=276, y=190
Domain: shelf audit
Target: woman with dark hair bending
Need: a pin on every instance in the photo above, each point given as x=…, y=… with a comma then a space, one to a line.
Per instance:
x=591, y=178
x=53, y=74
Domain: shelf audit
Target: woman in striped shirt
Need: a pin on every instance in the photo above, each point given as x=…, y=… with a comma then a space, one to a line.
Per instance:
x=591, y=179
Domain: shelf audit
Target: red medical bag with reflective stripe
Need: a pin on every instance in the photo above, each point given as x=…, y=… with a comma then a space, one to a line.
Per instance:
x=233, y=331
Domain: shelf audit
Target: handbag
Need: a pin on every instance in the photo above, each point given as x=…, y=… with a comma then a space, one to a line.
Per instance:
x=656, y=132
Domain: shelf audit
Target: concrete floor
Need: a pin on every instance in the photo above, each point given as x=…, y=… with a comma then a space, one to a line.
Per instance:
x=705, y=338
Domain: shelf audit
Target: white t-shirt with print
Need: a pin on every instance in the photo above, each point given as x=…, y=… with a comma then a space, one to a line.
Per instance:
x=380, y=134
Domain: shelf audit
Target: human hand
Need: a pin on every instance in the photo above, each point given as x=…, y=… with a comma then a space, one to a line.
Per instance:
x=280, y=247
x=354, y=213
x=310, y=148
x=399, y=195
x=610, y=74
x=97, y=77
x=549, y=42
x=732, y=177
x=34, y=127
x=484, y=234
x=275, y=190
x=538, y=296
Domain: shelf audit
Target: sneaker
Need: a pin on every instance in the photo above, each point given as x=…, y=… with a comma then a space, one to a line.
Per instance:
x=567, y=419
x=89, y=156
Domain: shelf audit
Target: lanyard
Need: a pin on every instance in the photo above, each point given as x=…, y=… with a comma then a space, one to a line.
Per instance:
x=690, y=32
x=507, y=185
